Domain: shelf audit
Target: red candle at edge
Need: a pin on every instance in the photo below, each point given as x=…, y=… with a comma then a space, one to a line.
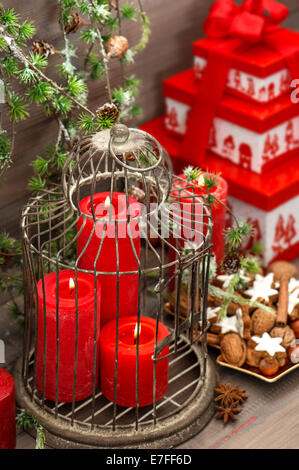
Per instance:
x=107, y=260
x=218, y=211
x=7, y=411
x=126, y=370
x=67, y=335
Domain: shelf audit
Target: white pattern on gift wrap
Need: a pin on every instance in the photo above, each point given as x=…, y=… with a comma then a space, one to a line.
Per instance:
x=268, y=222
x=268, y=344
x=241, y=146
x=259, y=89
x=261, y=288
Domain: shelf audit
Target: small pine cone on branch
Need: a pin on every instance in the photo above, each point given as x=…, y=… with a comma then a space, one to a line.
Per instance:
x=77, y=22
x=44, y=48
x=108, y=114
x=117, y=46
x=231, y=263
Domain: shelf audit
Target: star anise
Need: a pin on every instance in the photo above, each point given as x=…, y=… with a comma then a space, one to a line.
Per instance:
x=239, y=395
x=228, y=412
x=223, y=392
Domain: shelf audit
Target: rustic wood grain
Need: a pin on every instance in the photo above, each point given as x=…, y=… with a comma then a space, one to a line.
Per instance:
x=174, y=26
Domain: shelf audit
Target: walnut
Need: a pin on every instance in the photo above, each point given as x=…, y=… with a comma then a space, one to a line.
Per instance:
x=286, y=333
x=280, y=268
x=281, y=358
x=262, y=322
x=233, y=349
x=253, y=357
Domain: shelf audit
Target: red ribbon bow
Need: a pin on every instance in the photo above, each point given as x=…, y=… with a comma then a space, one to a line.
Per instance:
x=250, y=21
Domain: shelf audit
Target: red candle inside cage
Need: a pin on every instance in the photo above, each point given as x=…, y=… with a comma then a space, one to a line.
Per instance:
x=7, y=411
x=112, y=243
x=126, y=361
x=88, y=334
x=191, y=212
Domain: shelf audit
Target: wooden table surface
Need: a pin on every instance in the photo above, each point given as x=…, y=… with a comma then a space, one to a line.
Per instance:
x=269, y=418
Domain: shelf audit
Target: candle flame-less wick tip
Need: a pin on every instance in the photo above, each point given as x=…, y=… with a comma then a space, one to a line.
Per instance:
x=136, y=332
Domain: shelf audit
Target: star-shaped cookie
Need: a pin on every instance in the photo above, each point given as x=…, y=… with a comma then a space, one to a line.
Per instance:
x=268, y=344
x=262, y=288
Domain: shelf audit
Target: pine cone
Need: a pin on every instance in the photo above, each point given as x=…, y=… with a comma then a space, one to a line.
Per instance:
x=117, y=46
x=109, y=111
x=44, y=48
x=76, y=23
x=231, y=263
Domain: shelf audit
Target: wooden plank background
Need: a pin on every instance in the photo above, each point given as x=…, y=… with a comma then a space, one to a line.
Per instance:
x=174, y=24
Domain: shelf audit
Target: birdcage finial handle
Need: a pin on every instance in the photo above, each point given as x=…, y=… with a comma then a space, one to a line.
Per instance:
x=119, y=133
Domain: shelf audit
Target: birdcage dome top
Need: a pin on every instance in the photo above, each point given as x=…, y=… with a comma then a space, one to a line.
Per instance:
x=116, y=154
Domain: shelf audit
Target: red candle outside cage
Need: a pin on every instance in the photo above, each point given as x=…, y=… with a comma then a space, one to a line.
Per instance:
x=7, y=411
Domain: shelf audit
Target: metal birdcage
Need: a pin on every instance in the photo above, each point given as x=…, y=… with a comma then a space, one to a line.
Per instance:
x=105, y=364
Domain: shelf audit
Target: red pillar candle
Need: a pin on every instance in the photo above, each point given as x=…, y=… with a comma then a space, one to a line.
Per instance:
x=218, y=210
x=7, y=411
x=114, y=213
x=126, y=370
x=88, y=308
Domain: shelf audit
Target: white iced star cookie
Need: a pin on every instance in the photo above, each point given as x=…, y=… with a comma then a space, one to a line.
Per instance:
x=230, y=324
x=226, y=278
x=212, y=312
x=268, y=344
x=262, y=288
x=293, y=294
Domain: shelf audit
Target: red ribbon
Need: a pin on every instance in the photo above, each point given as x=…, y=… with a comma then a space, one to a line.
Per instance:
x=255, y=21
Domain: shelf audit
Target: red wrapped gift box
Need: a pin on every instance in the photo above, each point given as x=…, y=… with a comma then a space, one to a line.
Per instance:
x=256, y=137
x=270, y=201
x=258, y=73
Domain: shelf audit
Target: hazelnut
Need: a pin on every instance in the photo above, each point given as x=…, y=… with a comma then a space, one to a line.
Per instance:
x=269, y=366
x=295, y=328
x=293, y=353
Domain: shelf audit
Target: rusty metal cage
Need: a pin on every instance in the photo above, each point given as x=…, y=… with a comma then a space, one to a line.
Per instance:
x=163, y=250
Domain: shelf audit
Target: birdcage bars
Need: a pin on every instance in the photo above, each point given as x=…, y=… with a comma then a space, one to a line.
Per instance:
x=120, y=162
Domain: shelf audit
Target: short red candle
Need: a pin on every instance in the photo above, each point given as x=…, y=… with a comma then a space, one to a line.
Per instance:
x=126, y=370
x=67, y=335
x=218, y=210
x=7, y=411
x=107, y=259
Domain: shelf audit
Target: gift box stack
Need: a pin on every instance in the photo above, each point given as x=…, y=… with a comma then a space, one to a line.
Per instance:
x=234, y=112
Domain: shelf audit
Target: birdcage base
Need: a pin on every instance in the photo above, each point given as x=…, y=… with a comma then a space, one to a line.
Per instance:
x=168, y=433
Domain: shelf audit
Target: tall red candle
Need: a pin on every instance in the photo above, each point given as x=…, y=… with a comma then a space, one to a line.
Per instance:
x=67, y=335
x=7, y=411
x=126, y=370
x=114, y=213
x=218, y=210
